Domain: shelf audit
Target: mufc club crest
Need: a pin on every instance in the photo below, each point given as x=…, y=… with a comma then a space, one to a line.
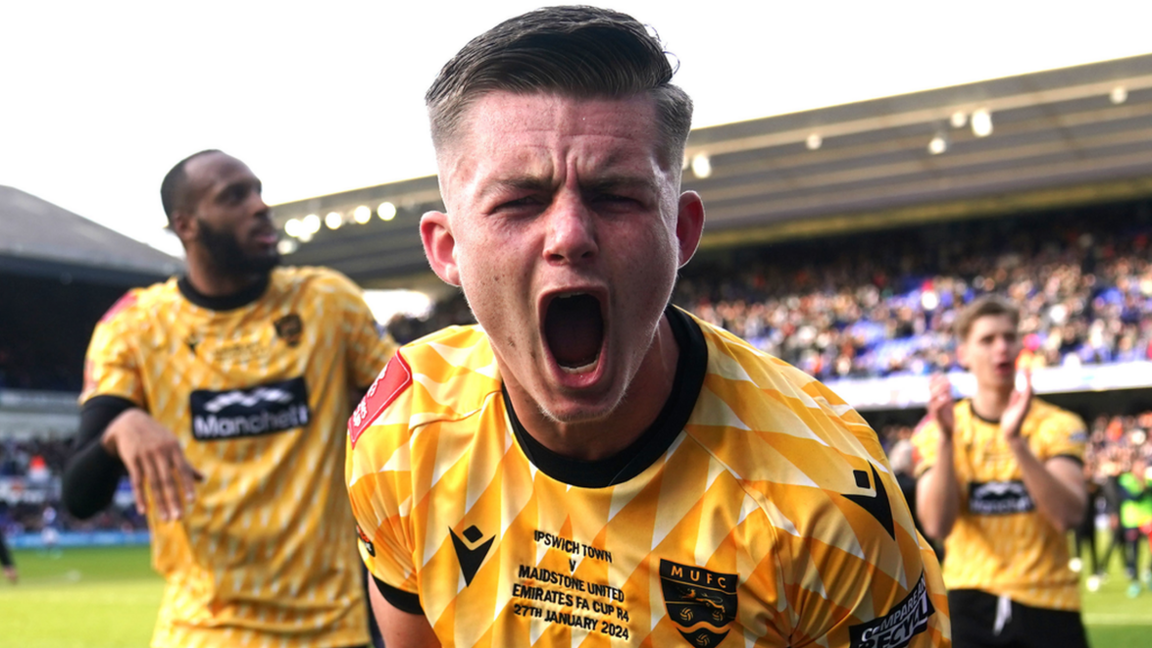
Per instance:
x=290, y=328
x=700, y=602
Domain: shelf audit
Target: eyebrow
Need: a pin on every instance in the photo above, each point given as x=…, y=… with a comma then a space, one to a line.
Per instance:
x=595, y=185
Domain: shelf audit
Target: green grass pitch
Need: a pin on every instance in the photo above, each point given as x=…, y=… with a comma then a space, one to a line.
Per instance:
x=108, y=597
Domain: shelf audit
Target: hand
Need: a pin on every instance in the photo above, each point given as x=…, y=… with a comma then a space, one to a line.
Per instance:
x=11, y=573
x=1013, y=417
x=941, y=406
x=153, y=457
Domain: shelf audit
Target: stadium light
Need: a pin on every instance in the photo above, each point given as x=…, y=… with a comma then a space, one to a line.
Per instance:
x=981, y=122
x=287, y=246
x=938, y=145
x=293, y=227
x=701, y=166
x=333, y=220
x=306, y=236
x=311, y=226
x=959, y=118
x=1118, y=95
x=814, y=141
x=362, y=214
x=386, y=211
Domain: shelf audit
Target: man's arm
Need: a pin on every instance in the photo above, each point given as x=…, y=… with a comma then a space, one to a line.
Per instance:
x=116, y=436
x=1056, y=485
x=937, y=490
x=400, y=628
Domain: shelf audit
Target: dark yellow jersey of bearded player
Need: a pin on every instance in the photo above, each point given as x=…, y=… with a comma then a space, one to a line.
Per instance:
x=758, y=510
x=257, y=392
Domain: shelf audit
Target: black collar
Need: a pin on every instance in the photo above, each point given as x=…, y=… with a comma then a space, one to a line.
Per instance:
x=633, y=460
x=225, y=302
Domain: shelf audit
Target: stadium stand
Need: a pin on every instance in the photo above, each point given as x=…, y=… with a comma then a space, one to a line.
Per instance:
x=58, y=274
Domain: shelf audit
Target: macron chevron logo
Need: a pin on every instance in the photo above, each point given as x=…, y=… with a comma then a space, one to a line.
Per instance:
x=247, y=399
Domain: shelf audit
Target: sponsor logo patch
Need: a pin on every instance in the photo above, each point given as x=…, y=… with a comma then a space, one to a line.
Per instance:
x=896, y=629
x=999, y=498
x=290, y=328
x=700, y=602
x=388, y=386
x=264, y=409
x=368, y=546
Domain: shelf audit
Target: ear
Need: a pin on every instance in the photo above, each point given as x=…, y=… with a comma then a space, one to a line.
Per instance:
x=185, y=226
x=689, y=224
x=440, y=246
x=962, y=355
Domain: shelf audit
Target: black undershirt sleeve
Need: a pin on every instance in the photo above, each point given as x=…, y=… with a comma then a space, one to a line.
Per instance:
x=91, y=474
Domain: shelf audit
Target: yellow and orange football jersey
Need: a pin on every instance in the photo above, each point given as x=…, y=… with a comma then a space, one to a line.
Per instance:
x=1001, y=543
x=758, y=510
x=257, y=392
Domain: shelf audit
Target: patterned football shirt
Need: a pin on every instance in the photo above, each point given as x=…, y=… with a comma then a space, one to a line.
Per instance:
x=757, y=510
x=1001, y=543
x=257, y=392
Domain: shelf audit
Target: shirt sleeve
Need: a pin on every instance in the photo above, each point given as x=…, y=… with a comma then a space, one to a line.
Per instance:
x=1062, y=435
x=111, y=367
x=369, y=347
x=854, y=583
x=378, y=475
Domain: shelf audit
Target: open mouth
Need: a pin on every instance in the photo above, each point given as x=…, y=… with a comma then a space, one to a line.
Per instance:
x=574, y=331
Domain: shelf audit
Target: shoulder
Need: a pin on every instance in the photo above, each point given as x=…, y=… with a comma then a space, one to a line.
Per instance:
x=776, y=411
x=314, y=278
x=446, y=375
x=138, y=303
x=1052, y=417
x=733, y=359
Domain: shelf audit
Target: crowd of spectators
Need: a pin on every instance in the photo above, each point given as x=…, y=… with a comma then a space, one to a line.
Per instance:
x=30, y=472
x=882, y=304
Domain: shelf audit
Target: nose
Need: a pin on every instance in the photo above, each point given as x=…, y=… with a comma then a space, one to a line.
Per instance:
x=571, y=231
x=259, y=207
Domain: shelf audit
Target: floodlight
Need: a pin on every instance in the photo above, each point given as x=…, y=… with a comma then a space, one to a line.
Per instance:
x=701, y=165
x=981, y=122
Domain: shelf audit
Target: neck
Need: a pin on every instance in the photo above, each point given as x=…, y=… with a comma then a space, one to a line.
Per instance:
x=598, y=439
x=211, y=282
x=990, y=403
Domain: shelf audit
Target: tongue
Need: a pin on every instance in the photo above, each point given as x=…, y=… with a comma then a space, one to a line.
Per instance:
x=574, y=330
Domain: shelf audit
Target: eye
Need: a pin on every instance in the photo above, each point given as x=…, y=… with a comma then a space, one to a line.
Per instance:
x=523, y=205
x=235, y=194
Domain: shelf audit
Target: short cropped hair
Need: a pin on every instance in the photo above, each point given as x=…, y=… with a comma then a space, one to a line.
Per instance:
x=174, y=188
x=579, y=52
x=983, y=307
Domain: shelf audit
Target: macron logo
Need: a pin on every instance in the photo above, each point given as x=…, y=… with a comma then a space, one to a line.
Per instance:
x=257, y=396
x=388, y=386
